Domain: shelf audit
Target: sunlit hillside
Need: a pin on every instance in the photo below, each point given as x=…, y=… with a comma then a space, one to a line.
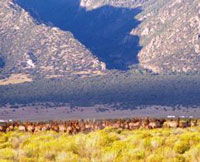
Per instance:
x=108, y=145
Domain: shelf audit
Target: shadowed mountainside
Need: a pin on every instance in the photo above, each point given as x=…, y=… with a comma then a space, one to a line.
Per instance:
x=2, y=63
x=39, y=50
x=105, y=30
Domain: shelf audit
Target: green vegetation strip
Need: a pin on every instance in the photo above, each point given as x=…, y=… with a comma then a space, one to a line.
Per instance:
x=127, y=88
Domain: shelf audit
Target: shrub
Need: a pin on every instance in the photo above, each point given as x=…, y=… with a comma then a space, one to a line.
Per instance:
x=109, y=145
x=181, y=146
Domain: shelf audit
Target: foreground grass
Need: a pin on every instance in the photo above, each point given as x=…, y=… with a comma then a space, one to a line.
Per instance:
x=108, y=145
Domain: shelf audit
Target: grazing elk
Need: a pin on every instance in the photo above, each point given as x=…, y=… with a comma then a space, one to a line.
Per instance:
x=30, y=127
x=74, y=127
x=46, y=127
x=171, y=123
x=184, y=123
x=154, y=123
x=62, y=127
x=3, y=128
x=22, y=128
x=145, y=123
x=10, y=127
x=194, y=123
x=134, y=124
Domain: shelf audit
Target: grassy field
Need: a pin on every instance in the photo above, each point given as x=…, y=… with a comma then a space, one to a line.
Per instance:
x=108, y=145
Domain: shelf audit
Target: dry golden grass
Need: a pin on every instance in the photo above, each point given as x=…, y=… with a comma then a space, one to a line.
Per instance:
x=108, y=145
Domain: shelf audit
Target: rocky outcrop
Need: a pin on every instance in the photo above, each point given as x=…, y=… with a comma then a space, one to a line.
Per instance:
x=29, y=47
x=93, y=4
x=169, y=32
x=170, y=36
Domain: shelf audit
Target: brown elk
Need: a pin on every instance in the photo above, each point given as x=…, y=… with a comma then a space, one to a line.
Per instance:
x=117, y=124
x=22, y=128
x=184, y=123
x=155, y=123
x=55, y=127
x=30, y=128
x=145, y=123
x=172, y=123
x=10, y=127
x=74, y=127
x=194, y=123
x=62, y=127
x=134, y=124
x=46, y=127
x=3, y=128
x=38, y=127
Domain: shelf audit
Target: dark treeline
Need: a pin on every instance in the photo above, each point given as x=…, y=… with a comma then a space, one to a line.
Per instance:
x=130, y=90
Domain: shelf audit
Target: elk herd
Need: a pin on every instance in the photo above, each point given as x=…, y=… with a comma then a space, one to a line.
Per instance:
x=85, y=126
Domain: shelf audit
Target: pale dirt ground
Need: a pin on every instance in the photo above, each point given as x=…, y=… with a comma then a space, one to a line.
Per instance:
x=66, y=113
x=16, y=79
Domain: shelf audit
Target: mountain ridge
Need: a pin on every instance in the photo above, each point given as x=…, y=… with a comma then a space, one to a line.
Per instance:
x=169, y=33
x=57, y=52
x=169, y=40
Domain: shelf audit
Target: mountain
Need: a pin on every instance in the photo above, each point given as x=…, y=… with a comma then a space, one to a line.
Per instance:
x=169, y=33
x=118, y=54
x=89, y=37
x=170, y=36
x=37, y=49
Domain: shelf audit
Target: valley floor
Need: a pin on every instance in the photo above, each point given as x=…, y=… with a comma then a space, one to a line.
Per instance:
x=34, y=113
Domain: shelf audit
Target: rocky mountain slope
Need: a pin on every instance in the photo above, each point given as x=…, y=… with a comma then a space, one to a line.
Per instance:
x=168, y=33
x=170, y=36
x=36, y=49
